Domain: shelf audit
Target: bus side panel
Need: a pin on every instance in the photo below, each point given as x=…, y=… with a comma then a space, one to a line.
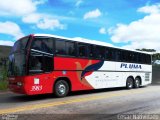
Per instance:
x=134, y=70
x=39, y=84
x=76, y=70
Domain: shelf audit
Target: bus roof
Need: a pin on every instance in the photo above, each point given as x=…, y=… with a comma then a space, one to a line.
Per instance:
x=95, y=42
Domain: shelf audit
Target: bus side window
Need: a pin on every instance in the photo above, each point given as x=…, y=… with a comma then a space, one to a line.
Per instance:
x=39, y=63
x=36, y=44
x=129, y=57
x=113, y=54
x=118, y=55
x=70, y=48
x=100, y=52
x=43, y=44
x=47, y=45
x=107, y=52
x=48, y=63
x=139, y=58
x=132, y=57
x=123, y=56
x=148, y=59
x=82, y=49
x=91, y=49
x=60, y=47
x=36, y=63
x=135, y=59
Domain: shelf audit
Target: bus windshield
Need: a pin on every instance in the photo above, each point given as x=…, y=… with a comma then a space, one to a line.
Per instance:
x=17, y=58
x=20, y=45
x=17, y=64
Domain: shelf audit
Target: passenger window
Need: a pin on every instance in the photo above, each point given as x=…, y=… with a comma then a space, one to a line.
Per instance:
x=118, y=55
x=36, y=64
x=47, y=45
x=40, y=63
x=48, y=64
x=60, y=47
x=100, y=52
x=113, y=54
x=124, y=57
x=70, y=48
x=36, y=44
x=43, y=44
x=148, y=59
x=130, y=57
x=82, y=48
x=140, y=58
x=135, y=58
x=110, y=54
x=107, y=52
x=91, y=51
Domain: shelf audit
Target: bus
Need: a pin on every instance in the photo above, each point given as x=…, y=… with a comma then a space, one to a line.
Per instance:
x=43, y=63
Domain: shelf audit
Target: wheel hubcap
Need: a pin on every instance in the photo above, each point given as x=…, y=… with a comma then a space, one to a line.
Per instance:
x=62, y=89
x=137, y=83
x=130, y=84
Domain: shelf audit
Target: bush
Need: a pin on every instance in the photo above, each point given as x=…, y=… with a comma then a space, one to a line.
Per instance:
x=3, y=85
x=3, y=78
x=155, y=66
x=4, y=73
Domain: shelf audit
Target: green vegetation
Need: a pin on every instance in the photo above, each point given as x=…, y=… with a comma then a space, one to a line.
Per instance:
x=156, y=66
x=155, y=56
x=4, y=73
x=4, y=53
x=146, y=50
x=3, y=77
x=3, y=85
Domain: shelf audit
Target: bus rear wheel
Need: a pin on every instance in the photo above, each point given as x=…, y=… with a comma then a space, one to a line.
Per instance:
x=61, y=88
x=137, y=83
x=129, y=83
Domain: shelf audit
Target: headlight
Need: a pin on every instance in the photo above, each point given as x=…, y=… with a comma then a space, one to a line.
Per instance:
x=19, y=83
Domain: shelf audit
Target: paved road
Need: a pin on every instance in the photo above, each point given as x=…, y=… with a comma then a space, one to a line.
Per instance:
x=99, y=104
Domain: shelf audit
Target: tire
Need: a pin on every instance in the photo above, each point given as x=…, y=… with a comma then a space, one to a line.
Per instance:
x=61, y=88
x=137, y=83
x=129, y=83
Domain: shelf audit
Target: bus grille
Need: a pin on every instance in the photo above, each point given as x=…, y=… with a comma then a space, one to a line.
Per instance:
x=147, y=76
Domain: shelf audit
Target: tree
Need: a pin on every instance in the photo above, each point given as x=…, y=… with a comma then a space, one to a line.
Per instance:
x=146, y=50
x=155, y=56
x=4, y=68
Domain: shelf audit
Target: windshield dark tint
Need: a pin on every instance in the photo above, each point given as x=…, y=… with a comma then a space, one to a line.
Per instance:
x=20, y=45
x=17, y=64
x=43, y=44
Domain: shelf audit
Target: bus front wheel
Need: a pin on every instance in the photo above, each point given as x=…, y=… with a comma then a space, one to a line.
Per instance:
x=129, y=83
x=61, y=88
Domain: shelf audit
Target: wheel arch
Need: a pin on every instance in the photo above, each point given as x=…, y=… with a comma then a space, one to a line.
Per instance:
x=130, y=77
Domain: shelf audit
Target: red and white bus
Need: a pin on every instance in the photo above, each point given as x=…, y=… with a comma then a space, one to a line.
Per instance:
x=42, y=63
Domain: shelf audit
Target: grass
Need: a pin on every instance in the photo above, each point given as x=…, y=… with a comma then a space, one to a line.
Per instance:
x=3, y=85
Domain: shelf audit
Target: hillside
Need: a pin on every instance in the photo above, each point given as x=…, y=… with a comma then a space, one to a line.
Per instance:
x=4, y=51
